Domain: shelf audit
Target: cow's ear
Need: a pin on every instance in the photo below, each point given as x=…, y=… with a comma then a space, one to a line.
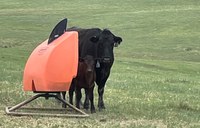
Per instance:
x=94, y=39
x=117, y=40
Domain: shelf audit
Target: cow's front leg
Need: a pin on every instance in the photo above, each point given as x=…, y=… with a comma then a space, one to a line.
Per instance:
x=100, y=100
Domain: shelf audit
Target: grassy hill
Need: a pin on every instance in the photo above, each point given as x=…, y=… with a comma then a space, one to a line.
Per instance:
x=155, y=79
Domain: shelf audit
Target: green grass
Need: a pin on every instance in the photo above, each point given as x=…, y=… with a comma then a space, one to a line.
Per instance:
x=155, y=79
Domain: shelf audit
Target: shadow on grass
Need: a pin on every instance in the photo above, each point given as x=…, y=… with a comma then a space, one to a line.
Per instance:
x=184, y=106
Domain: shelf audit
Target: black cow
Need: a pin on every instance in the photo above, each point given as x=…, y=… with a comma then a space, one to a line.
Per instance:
x=99, y=44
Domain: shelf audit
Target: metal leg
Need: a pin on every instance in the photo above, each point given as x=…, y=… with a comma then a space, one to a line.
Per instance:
x=12, y=110
x=25, y=102
x=71, y=106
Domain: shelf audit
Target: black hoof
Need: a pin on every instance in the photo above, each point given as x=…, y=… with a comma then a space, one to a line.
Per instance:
x=101, y=107
x=64, y=106
x=93, y=111
x=86, y=106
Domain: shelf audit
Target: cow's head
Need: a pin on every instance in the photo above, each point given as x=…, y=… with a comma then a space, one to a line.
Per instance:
x=105, y=43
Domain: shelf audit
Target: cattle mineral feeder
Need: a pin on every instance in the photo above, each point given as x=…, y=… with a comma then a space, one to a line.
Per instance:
x=50, y=70
x=99, y=44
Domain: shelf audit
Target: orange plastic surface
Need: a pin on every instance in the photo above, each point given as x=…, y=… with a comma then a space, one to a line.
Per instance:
x=51, y=68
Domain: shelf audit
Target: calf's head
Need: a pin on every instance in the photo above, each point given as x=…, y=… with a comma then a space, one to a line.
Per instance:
x=87, y=68
x=105, y=42
x=88, y=62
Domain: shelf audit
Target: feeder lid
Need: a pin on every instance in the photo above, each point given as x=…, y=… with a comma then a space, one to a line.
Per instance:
x=58, y=30
x=53, y=64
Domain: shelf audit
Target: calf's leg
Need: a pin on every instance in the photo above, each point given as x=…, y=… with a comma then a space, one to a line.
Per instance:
x=91, y=97
x=71, y=93
x=86, y=102
x=78, y=97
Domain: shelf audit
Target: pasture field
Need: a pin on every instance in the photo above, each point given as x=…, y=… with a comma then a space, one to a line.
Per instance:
x=155, y=80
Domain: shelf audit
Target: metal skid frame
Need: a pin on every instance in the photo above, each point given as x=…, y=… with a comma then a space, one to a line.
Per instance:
x=13, y=110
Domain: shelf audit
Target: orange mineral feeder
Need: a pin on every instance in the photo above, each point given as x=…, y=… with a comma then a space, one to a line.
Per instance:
x=49, y=70
x=51, y=67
